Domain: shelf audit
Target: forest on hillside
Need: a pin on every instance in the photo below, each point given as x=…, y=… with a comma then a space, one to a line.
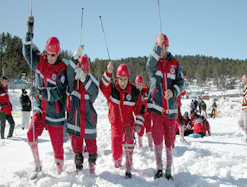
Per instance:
x=200, y=68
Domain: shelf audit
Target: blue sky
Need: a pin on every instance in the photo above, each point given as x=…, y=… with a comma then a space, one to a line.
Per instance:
x=194, y=27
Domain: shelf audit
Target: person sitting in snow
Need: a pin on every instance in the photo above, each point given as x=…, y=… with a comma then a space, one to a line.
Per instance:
x=242, y=122
x=5, y=108
x=50, y=97
x=126, y=113
x=139, y=82
x=188, y=127
x=200, y=124
x=82, y=117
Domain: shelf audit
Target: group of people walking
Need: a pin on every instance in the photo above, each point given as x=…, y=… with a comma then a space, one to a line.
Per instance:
x=68, y=85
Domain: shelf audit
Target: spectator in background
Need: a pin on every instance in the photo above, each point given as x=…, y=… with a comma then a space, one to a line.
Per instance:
x=242, y=122
x=5, y=108
x=26, y=107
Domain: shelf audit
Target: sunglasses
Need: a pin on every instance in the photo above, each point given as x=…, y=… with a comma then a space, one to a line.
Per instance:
x=51, y=54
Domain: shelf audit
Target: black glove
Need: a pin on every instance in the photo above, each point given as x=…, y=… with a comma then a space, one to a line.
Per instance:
x=35, y=91
x=30, y=23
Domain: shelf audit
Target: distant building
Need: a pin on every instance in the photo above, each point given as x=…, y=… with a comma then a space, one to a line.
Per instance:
x=19, y=84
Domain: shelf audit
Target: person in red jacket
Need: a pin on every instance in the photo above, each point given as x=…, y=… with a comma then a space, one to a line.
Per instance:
x=200, y=124
x=50, y=97
x=126, y=113
x=5, y=108
x=139, y=82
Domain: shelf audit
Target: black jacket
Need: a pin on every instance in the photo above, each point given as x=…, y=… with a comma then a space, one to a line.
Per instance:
x=25, y=103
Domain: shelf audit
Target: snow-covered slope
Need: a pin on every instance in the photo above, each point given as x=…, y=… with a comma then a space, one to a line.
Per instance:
x=218, y=161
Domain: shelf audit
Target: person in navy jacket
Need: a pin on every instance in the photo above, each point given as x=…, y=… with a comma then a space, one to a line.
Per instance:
x=50, y=96
x=166, y=85
x=82, y=117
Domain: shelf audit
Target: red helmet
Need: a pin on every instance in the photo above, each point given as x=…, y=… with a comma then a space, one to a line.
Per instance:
x=123, y=71
x=166, y=41
x=84, y=63
x=139, y=79
x=52, y=45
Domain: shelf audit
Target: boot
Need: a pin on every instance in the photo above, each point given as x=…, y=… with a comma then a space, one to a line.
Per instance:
x=169, y=158
x=158, y=174
x=150, y=141
x=128, y=158
x=92, y=162
x=169, y=174
x=59, y=168
x=140, y=141
x=35, y=152
x=78, y=162
x=128, y=174
x=158, y=156
x=11, y=130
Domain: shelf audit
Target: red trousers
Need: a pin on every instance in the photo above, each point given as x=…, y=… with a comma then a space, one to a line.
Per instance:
x=77, y=144
x=120, y=139
x=147, y=125
x=163, y=128
x=55, y=132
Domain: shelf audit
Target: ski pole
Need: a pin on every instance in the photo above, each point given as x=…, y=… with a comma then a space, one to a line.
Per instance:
x=76, y=112
x=104, y=37
x=159, y=16
x=31, y=71
x=106, y=46
x=81, y=25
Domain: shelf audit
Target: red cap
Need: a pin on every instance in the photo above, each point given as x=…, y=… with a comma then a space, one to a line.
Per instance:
x=52, y=45
x=123, y=71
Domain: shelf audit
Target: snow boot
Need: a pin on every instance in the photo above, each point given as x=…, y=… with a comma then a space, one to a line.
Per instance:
x=92, y=162
x=169, y=160
x=169, y=174
x=78, y=162
x=140, y=141
x=128, y=175
x=158, y=174
x=117, y=163
x=158, y=156
x=59, y=168
x=128, y=158
x=38, y=168
x=150, y=141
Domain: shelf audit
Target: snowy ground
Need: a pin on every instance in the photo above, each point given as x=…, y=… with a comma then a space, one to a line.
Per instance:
x=216, y=161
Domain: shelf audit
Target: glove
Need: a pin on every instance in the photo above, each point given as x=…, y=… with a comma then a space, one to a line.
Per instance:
x=30, y=23
x=138, y=128
x=80, y=74
x=35, y=91
x=78, y=52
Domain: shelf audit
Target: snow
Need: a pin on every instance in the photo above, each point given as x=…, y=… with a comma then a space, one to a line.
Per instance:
x=216, y=161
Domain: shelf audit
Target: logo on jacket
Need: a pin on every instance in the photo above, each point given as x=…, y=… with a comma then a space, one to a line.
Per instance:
x=54, y=76
x=63, y=79
x=172, y=70
x=128, y=97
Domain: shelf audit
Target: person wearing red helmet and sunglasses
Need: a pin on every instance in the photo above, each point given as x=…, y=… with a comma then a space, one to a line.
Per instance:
x=82, y=117
x=126, y=113
x=166, y=85
x=139, y=82
x=50, y=97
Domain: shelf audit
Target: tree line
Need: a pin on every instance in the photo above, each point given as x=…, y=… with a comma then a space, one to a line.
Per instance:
x=200, y=68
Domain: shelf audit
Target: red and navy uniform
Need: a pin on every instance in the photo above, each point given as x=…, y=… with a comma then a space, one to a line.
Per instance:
x=49, y=111
x=125, y=110
x=82, y=117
